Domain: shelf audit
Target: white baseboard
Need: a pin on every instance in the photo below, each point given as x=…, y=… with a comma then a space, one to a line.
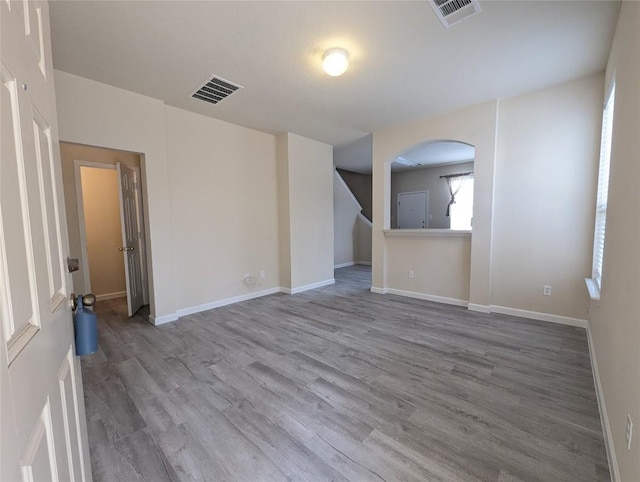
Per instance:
x=479, y=308
x=379, y=291
x=227, y=301
x=427, y=297
x=161, y=320
x=312, y=286
x=343, y=265
x=364, y=263
x=534, y=315
x=111, y=296
x=604, y=419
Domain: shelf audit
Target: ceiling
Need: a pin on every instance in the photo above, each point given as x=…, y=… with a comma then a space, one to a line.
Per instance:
x=430, y=154
x=404, y=64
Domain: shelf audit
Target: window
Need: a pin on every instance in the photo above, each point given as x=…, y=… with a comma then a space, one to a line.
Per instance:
x=462, y=209
x=603, y=186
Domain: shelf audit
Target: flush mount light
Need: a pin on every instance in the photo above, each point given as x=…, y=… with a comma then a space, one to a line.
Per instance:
x=335, y=61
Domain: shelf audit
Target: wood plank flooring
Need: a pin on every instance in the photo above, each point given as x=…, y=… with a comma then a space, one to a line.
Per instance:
x=341, y=384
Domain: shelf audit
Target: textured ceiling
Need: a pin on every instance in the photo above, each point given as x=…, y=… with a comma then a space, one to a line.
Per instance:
x=405, y=65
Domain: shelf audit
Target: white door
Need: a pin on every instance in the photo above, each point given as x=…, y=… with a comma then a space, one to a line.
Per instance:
x=412, y=210
x=131, y=231
x=43, y=426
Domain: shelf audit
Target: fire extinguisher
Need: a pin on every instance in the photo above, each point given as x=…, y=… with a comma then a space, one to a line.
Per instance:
x=85, y=322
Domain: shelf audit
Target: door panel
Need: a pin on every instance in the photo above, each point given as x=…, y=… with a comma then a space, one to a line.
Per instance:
x=22, y=321
x=412, y=210
x=43, y=430
x=38, y=460
x=51, y=222
x=71, y=413
x=130, y=237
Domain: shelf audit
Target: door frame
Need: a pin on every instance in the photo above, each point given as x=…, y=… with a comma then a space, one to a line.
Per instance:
x=84, y=258
x=426, y=207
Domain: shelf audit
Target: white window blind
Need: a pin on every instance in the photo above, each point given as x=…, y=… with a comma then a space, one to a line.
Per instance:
x=603, y=186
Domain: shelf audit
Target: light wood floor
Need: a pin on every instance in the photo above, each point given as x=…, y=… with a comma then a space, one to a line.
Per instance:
x=341, y=384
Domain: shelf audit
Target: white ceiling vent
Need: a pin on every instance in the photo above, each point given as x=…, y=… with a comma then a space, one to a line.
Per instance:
x=450, y=12
x=215, y=89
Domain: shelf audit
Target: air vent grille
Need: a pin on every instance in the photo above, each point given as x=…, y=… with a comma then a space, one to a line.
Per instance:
x=215, y=89
x=451, y=12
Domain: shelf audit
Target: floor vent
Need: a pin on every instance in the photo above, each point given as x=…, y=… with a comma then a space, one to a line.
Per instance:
x=215, y=89
x=451, y=12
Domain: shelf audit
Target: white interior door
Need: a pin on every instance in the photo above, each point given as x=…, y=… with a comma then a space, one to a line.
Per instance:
x=131, y=245
x=43, y=426
x=412, y=210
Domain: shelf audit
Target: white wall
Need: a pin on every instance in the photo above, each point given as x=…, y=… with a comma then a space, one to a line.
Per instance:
x=615, y=321
x=306, y=167
x=224, y=208
x=215, y=197
x=476, y=126
x=535, y=164
x=96, y=114
x=345, y=217
x=546, y=169
x=440, y=264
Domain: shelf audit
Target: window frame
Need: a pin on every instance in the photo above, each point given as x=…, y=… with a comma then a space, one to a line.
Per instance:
x=602, y=196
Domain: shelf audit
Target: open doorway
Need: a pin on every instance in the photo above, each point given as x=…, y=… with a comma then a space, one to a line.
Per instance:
x=104, y=202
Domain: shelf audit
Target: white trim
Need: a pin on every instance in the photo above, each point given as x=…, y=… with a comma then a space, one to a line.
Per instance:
x=479, y=308
x=379, y=291
x=343, y=265
x=353, y=197
x=227, y=301
x=424, y=296
x=614, y=471
x=427, y=232
x=592, y=287
x=535, y=315
x=364, y=263
x=364, y=219
x=312, y=286
x=111, y=296
x=161, y=320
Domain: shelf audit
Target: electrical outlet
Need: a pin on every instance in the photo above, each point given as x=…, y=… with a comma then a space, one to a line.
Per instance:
x=629, y=431
x=546, y=290
x=411, y=274
x=263, y=274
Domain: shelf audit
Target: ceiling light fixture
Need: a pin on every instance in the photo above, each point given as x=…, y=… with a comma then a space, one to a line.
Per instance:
x=335, y=61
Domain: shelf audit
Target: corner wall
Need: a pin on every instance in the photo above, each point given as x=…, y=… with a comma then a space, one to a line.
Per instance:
x=215, y=197
x=475, y=125
x=546, y=169
x=306, y=173
x=535, y=167
x=223, y=182
x=97, y=114
x=614, y=322
x=70, y=153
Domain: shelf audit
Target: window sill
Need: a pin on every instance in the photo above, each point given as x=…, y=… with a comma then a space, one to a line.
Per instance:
x=592, y=287
x=426, y=232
